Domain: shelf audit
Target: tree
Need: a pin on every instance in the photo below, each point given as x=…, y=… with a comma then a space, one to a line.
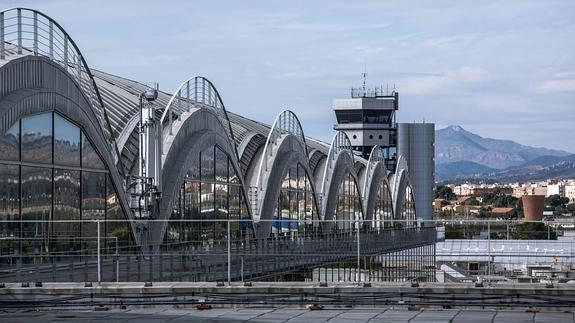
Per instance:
x=484, y=212
x=533, y=231
x=444, y=192
x=472, y=201
x=556, y=200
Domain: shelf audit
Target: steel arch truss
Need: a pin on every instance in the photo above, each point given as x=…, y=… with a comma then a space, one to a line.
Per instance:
x=402, y=190
x=197, y=92
x=340, y=144
x=375, y=174
x=26, y=31
x=286, y=125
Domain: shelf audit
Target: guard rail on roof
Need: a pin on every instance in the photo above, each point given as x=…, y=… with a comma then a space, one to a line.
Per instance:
x=26, y=31
x=197, y=92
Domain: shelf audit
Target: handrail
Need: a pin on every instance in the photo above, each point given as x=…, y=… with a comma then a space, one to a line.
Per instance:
x=31, y=32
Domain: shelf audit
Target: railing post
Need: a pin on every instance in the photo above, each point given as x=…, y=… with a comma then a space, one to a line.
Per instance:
x=229, y=256
x=489, y=250
x=19, y=13
x=66, y=52
x=35, y=33
x=98, y=253
x=2, y=56
x=358, y=254
x=51, y=39
x=117, y=261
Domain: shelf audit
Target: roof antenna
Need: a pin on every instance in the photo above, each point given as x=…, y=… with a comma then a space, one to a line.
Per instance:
x=364, y=75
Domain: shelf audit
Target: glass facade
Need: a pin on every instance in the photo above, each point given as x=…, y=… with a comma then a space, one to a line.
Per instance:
x=348, y=210
x=50, y=173
x=383, y=209
x=210, y=195
x=296, y=207
x=408, y=208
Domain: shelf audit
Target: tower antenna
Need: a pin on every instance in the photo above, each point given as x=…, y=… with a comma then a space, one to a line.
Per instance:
x=364, y=75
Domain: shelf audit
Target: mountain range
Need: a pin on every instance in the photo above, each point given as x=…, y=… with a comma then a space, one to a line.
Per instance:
x=462, y=154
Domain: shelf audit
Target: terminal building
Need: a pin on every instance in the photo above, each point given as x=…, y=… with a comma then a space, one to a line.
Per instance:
x=96, y=164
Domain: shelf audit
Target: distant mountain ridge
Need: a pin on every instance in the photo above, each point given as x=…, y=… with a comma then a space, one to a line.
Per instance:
x=455, y=144
x=460, y=153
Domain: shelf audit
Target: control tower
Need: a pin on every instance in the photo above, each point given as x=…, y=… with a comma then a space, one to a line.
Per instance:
x=368, y=119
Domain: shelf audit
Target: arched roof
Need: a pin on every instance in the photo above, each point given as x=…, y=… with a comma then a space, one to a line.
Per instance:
x=31, y=32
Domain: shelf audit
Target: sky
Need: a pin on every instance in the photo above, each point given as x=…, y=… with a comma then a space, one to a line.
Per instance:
x=501, y=69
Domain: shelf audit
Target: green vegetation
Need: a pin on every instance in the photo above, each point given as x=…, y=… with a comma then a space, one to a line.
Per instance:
x=534, y=231
x=556, y=200
x=559, y=205
x=484, y=212
x=498, y=199
x=444, y=192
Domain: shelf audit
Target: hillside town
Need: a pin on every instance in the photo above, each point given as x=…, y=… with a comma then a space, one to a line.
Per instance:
x=505, y=200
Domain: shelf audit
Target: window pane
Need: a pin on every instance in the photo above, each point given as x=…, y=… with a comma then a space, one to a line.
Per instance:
x=93, y=205
x=234, y=211
x=9, y=143
x=37, y=138
x=191, y=230
x=207, y=211
x=117, y=227
x=232, y=174
x=207, y=164
x=221, y=215
x=66, y=207
x=221, y=166
x=9, y=201
x=66, y=142
x=36, y=204
x=90, y=158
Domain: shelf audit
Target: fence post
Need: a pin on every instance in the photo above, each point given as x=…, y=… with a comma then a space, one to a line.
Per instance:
x=117, y=261
x=2, y=35
x=35, y=33
x=489, y=250
x=358, y=253
x=229, y=256
x=19, y=13
x=98, y=253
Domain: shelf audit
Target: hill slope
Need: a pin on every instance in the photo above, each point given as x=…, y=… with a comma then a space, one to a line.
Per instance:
x=454, y=144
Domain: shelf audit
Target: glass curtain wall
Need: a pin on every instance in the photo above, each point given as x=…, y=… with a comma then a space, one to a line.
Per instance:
x=296, y=208
x=383, y=209
x=210, y=195
x=408, y=215
x=50, y=172
x=348, y=210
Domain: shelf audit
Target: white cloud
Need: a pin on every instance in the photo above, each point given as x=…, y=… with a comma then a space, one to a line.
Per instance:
x=434, y=84
x=554, y=86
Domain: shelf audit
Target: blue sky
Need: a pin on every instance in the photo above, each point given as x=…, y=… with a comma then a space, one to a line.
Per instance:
x=502, y=69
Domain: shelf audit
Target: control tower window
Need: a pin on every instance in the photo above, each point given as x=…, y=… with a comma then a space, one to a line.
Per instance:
x=376, y=116
x=348, y=116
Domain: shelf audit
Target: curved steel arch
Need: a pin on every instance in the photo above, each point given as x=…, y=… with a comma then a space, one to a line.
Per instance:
x=285, y=123
x=340, y=143
x=197, y=92
x=400, y=182
x=31, y=32
x=201, y=130
x=377, y=156
x=373, y=176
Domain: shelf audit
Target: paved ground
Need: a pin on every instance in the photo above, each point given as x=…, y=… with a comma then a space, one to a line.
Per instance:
x=291, y=315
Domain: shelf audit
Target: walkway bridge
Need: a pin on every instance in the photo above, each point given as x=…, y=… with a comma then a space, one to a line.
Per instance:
x=248, y=260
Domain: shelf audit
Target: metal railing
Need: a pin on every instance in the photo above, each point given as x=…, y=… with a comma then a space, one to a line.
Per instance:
x=196, y=92
x=29, y=32
x=215, y=250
